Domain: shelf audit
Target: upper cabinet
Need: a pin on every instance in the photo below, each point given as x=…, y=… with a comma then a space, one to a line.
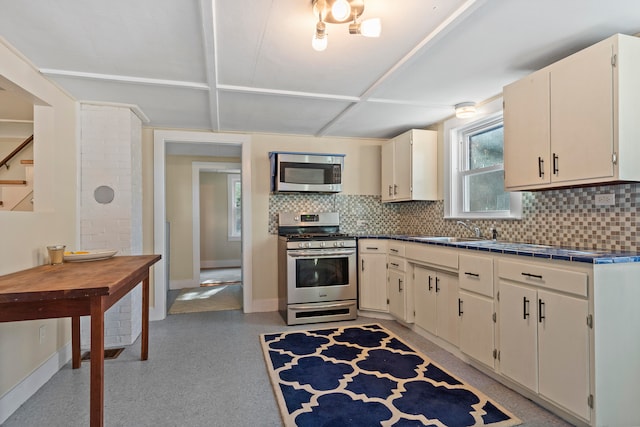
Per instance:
x=572, y=123
x=410, y=167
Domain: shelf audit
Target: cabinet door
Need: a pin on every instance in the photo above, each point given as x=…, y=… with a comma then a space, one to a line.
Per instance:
x=563, y=351
x=403, y=172
x=425, y=298
x=387, y=182
x=582, y=115
x=476, y=327
x=526, y=131
x=397, y=294
x=448, y=321
x=373, y=282
x=518, y=334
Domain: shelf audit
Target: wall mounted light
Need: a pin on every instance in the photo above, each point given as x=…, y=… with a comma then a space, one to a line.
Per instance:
x=342, y=12
x=464, y=110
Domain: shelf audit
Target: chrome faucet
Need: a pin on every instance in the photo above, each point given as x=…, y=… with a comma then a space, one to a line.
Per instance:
x=471, y=227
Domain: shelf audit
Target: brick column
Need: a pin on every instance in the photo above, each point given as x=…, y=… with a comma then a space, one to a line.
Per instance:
x=111, y=160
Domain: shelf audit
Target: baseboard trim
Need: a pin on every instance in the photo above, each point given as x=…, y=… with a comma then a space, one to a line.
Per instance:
x=264, y=305
x=26, y=388
x=181, y=284
x=222, y=263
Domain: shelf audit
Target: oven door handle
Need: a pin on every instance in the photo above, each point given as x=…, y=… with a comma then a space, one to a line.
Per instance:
x=320, y=253
x=323, y=306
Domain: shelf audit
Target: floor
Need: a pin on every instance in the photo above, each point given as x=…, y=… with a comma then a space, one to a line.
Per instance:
x=207, y=369
x=211, y=277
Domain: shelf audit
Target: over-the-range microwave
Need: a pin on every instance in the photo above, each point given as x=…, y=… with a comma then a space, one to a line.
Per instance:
x=306, y=172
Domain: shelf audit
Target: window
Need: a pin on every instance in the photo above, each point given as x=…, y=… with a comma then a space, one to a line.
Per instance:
x=235, y=208
x=476, y=170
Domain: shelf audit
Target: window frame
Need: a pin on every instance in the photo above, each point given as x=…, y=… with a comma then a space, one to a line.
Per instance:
x=455, y=166
x=233, y=233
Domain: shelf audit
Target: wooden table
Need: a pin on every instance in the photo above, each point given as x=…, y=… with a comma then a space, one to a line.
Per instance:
x=74, y=290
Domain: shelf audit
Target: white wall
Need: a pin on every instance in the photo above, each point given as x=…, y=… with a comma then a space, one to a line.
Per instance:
x=26, y=234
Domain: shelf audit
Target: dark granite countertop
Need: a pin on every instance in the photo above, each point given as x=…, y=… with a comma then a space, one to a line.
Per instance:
x=521, y=249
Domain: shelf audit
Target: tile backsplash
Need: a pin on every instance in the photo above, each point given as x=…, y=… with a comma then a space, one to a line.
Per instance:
x=566, y=217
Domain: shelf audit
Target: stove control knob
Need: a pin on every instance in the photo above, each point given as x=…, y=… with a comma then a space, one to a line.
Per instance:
x=342, y=244
x=323, y=244
x=335, y=244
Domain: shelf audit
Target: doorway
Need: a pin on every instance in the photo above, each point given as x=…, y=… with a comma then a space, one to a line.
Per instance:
x=202, y=144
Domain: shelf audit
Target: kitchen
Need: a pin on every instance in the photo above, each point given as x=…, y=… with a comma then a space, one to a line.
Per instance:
x=549, y=217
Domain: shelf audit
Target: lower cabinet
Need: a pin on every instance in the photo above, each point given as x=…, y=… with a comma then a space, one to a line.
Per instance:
x=476, y=327
x=436, y=302
x=372, y=270
x=476, y=308
x=544, y=335
x=400, y=294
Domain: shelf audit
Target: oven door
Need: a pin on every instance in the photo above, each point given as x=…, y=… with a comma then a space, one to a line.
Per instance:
x=317, y=275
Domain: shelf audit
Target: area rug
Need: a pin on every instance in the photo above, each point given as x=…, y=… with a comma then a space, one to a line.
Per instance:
x=217, y=298
x=364, y=375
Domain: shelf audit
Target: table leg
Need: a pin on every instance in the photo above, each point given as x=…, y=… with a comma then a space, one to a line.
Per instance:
x=144, y=352
x=75, y=342
x=97, y=362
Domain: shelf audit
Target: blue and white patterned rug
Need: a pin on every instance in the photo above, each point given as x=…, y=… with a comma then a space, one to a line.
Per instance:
x=363, y=375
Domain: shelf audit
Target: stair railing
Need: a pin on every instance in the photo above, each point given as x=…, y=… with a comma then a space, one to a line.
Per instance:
x=5, y=161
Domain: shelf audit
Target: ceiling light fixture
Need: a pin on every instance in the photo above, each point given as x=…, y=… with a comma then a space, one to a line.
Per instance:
x=464, y=110
x=341, y=12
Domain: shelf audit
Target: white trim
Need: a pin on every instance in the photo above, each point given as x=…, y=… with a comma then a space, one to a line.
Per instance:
x=186, y=283
x=26, y=388
x=133, y=107
x=160, y=140
x=263, y=305
x=221, y=263
x=232, y=179
x=124, y=79
x=196, y=168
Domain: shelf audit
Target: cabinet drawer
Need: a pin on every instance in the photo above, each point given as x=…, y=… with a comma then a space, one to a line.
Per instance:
x=432, y=255
x=372, y=246
x=476, y=274
x=396, y=263
x=573, y=282
x=396, y=249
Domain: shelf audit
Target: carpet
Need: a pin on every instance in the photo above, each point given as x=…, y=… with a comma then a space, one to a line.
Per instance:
x=216, y=298
x=364, y=375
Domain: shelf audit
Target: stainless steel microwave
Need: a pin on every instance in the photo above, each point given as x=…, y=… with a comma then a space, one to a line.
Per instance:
x=306, y=172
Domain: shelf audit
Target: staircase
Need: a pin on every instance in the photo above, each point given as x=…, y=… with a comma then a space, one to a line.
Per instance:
x=16, y=195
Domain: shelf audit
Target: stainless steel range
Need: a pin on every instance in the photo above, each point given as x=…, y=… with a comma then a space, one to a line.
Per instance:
x=317, y=279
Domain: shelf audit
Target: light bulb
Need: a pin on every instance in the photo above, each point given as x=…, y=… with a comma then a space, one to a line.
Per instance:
x=371, y=27
x=319, y=43
x=464, y=110
x=341, y=10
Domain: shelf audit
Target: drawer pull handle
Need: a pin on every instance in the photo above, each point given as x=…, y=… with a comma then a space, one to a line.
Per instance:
x=437, y=283
x=395, y=264
x=399, y=285
x=460, y=308
x=362, y=265
x=395, y=251
x=532, y=276
x=372, y=248
x=472, y=274
x=430, y=285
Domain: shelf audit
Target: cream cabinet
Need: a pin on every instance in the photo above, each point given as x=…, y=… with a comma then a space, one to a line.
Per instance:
x=372, y=271
x=574, y=122
x=400, y=292
x=410, y=167
x=436, y=302
x=476, y=307
x=544, y=332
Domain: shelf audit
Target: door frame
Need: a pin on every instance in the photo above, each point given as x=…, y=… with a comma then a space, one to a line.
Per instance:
x=196, y=168
x=161, y=138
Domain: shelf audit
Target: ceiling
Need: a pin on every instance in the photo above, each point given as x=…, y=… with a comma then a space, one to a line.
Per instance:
x=248, y=66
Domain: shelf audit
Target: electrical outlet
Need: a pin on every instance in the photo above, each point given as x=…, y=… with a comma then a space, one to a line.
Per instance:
x=41, y=333
x=605, y=199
